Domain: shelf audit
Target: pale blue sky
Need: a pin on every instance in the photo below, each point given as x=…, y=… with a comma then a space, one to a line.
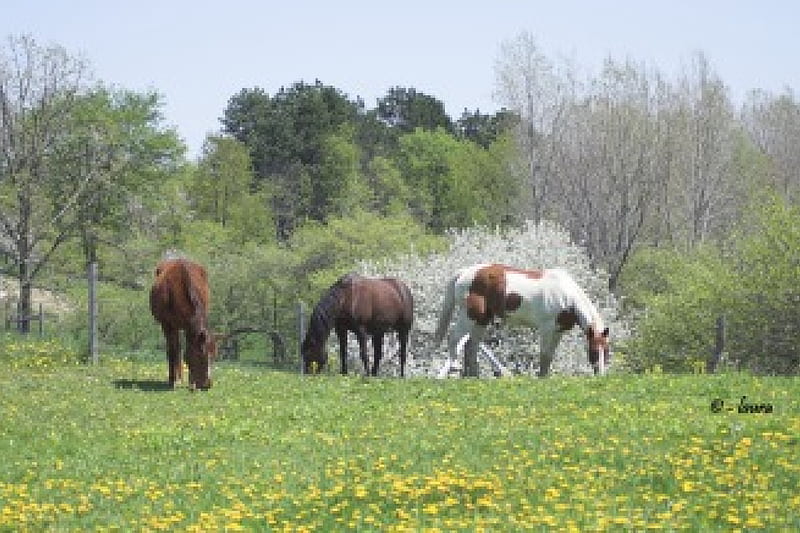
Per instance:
x=198, y=54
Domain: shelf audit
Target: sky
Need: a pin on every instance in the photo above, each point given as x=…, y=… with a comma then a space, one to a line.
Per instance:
x=197, y=54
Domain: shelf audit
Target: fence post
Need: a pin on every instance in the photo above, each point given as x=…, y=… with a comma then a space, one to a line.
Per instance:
x=92, y=275
x=301, y=332
x=41, y=320
x=719, y=346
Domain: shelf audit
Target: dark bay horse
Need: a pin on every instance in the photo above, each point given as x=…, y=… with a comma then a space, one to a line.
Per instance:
x=179, y=300
x=365, y=306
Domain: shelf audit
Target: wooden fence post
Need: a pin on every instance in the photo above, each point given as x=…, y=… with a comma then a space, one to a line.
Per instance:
x=92, y=279
x=719, y=346
x=301, y=332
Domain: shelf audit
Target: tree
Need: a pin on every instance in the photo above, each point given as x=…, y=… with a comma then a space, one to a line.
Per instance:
x=287, y=135
x=707, y=191
x=608, y=165
x=773, y=125
x=407, y=109
x=39, y=88
x=484, y=129
x=224, y=191
x=455, y=183
x=531, y=86
x=116, y=139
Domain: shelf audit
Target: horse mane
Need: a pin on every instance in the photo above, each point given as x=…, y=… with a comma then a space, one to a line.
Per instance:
x=327, y=309
x=198, y=318
x=574, y=297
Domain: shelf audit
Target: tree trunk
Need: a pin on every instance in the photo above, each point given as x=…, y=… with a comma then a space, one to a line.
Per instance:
x=24, y=252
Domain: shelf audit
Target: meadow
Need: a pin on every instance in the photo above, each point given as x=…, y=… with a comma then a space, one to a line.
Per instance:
x=109, y=447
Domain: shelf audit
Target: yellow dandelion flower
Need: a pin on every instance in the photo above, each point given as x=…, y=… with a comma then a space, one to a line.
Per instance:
x=753, y=521
x=431, y=508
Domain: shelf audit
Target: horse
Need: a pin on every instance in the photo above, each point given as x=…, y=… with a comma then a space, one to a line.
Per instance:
x=548, y=300
x=365, y=306
x=179, y=300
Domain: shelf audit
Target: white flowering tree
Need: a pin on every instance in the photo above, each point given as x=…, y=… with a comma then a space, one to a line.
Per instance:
x=534, y=246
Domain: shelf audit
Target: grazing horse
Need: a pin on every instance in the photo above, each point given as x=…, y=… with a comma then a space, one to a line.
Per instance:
x=365, y=306
x=548, y=300
x=179, y=301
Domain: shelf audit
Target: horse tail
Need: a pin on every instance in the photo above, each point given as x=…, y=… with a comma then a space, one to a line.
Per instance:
x=447, y=309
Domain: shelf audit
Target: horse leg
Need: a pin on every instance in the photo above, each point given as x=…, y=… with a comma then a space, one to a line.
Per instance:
x=377, y=345
x=190, y=356
x=403, y=338
x=549, y=341
x=460, y=329
x=341, y=334
x=361, y=336
x=471, y=350
x=174, y=364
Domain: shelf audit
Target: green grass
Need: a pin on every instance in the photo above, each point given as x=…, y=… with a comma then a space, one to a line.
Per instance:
x=107, y=447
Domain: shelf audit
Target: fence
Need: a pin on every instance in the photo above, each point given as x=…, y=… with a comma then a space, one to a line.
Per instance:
x=17, y=318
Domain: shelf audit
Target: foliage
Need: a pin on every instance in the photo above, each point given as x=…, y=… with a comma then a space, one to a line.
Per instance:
x=683, y=296
x=764, y=322
x=323, y=155
x=455, y=183
x=752, y=285
x=408, y=109
x=323, y=252
x=271, y=451
x=484, y=129
x=289, y=137
x=124, y=320
x=223, y=191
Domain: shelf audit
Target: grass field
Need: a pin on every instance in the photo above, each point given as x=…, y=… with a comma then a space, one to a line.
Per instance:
x=108, y=447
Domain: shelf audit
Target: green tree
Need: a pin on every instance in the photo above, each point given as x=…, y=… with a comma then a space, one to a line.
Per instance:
x=484, y=129
x=287, y=136
x=39, y=87
x=116, y=140
x=764, y=323
x=324, y=251
x=224, y=191
x=751, y=282
x=390, y=193
x=407, y=109
x=338, y=187
x=456, y=183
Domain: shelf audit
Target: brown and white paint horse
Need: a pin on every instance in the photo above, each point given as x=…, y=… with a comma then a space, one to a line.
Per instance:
x=548, y=300
x=179, y=300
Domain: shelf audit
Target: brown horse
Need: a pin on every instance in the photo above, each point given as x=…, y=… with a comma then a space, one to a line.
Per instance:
x=365, y=306
x=179, y=301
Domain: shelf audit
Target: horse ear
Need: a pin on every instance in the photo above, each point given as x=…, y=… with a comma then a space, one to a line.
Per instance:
x=605, y=333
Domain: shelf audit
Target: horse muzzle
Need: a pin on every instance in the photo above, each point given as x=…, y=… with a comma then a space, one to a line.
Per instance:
x=200, y=386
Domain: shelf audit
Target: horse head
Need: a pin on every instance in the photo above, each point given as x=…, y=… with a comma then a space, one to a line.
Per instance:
x=597, y=348
x=314, y=356
x=199, y=357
